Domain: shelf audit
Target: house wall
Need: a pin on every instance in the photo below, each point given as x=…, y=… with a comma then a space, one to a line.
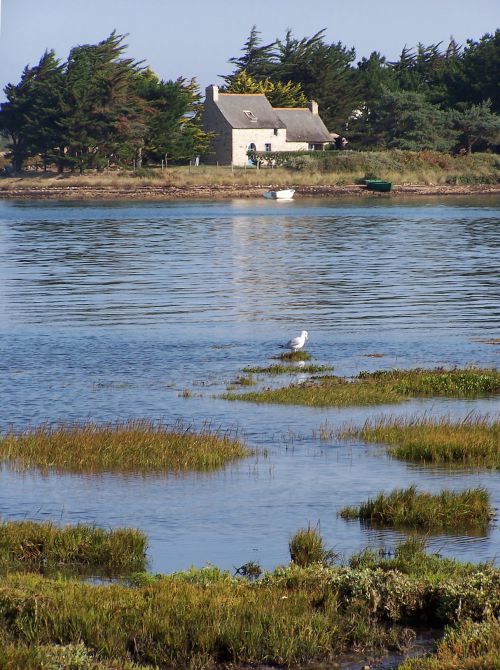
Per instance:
x=214, y=121
x=243, y=137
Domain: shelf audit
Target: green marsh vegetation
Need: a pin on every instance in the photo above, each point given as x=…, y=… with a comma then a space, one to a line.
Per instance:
x=132, y=446
x=32, y=546
x=209, y=618
x=278, y=369
x=471, y=442
x=381, y=387
x=409, y=508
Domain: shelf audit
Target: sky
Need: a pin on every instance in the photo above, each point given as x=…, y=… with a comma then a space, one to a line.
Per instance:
x=195, y=38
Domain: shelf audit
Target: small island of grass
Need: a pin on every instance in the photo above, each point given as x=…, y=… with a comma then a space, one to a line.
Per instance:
x=380, y=387
x=133, y=446
x=473, y=442
x=408, y=508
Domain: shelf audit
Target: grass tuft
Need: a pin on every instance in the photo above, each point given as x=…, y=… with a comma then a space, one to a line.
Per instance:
x=306, y=548
x=407, y=508
x=132, y=446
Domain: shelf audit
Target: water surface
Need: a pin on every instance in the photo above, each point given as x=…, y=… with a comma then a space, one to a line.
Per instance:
x=110, y=311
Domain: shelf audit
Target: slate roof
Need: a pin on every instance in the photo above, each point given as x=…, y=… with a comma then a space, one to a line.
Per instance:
x=233, y=106
x=302, y=125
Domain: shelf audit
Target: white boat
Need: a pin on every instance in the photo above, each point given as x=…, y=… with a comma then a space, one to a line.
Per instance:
x=284, y=194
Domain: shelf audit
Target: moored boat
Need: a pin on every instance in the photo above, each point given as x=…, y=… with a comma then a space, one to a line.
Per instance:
x=380, y=185
x=283, y=194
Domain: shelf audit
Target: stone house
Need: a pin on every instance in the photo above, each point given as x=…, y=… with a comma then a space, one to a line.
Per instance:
x=245, y=122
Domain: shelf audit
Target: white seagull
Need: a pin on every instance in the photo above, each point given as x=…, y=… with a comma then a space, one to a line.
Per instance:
x=298, y=342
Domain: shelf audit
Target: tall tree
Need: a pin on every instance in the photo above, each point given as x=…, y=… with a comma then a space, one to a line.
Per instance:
x=29, y=116
x=477, y=125
x=173, y=125
x=103, y=117
x=257, y=59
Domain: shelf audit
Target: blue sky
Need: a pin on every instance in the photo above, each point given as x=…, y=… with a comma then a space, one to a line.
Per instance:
x=195, y=38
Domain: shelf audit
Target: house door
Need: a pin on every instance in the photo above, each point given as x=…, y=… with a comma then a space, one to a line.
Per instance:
x=251, y=147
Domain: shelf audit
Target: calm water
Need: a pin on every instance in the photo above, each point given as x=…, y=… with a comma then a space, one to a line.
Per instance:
x=111, y=311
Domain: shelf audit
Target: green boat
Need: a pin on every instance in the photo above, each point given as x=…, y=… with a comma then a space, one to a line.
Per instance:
x=378, y=185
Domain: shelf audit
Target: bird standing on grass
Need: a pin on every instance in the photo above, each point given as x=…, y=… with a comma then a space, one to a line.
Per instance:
x=298, y=342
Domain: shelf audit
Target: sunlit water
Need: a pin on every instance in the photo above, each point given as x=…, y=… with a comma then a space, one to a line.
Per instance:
x=111, y=311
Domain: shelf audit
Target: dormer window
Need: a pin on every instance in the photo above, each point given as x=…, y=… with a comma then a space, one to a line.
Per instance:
x=250, y=115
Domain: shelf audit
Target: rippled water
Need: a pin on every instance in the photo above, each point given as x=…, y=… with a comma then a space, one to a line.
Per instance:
x=112, y=310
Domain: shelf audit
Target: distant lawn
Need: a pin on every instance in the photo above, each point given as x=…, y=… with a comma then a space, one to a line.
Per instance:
x=472, y=442
x=133, y=446
x=408, y=508
x=381, y=387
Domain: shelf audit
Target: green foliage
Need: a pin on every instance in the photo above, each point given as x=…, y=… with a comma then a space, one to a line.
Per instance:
x=477, y=124
x=307, y=548
x=278, y=93
x=100, y=108
x=173, y=127
x=410, y=509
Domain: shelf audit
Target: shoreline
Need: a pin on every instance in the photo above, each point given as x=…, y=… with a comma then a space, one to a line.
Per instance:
x=155, y=192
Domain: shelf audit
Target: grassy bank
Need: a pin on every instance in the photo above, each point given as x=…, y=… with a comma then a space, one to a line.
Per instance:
x=32, y=546
x=408, y=508
x=207, y=618
x=472, y=442
x=381, y=387
x=132, y=446
x=334, y=168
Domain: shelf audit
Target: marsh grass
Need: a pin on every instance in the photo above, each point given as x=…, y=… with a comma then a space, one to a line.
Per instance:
x=278, y=369
x=455, y=383
x=408, y=508
x=474, y=441
x=469, y=646
x=132, y=446
x=207, y=618
x=43, y=546
x=381, y=387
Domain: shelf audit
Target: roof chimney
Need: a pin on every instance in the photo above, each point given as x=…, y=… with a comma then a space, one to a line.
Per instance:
x=212, y=93
x=313, y=106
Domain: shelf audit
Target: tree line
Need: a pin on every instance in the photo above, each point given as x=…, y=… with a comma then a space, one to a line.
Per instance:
x=432, y=97
x=100, y=108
